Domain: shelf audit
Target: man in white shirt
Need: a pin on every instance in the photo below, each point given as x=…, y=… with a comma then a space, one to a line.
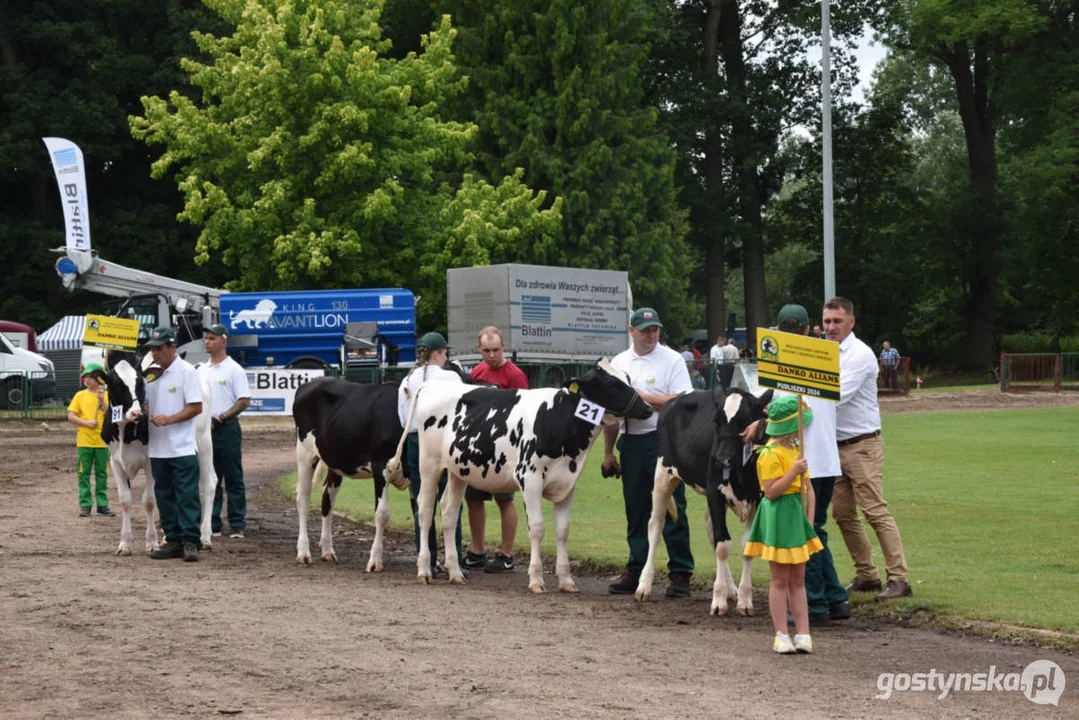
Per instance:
x=174, y=400
x=861, y=455
x=658, y=374
x=716, y=353
x=231, y=396
x=432, y=355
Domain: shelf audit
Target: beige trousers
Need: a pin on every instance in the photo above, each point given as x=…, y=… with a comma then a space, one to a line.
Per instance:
x=861, y=487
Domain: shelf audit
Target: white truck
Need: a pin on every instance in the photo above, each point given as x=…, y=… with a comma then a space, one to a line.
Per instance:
x=153, y=300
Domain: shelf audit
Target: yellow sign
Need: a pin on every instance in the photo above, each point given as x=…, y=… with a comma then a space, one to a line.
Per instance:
x=798, y=364
x=111, y=332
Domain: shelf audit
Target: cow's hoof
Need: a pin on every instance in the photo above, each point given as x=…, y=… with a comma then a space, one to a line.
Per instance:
x=457, y=579
x=374, y=566
x=329, y=557
x=537, y=589
x=643, y=595
x=206, y=547
x=570, y=587
x=745, y=611
x=718, y=611
x=125, y=551
x=303, y=559
x=423, y=579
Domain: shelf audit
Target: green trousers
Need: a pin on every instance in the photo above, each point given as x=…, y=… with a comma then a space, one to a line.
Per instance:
x=176, y=487
x=823, y=588
x=97, y=460
x=638, y=455
x=228, y=465
x=412, y=454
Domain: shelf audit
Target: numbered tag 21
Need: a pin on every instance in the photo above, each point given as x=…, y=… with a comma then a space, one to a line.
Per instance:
x=589, y=411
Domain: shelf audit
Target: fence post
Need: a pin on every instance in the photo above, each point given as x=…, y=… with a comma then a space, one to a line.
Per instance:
x=1004, y=372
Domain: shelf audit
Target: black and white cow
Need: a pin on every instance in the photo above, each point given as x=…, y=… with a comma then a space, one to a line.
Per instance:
x=126, y=432
x=700, y=444
x=344, y=430
x=534, y=441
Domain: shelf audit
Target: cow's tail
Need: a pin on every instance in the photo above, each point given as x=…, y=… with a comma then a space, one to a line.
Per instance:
x=393, y=467
x=672, y=509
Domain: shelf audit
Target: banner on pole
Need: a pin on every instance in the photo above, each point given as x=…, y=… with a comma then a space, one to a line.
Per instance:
x=70, y=171
x=111, y=332
x=798, y=364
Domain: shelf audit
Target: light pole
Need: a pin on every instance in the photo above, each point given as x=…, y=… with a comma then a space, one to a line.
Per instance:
x=826, y=136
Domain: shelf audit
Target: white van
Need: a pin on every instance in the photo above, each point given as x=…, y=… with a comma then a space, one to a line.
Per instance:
x=22, y=371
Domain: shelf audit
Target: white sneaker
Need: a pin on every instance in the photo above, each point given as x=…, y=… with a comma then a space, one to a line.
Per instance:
x=782, y=644
x=803, y=644
x=216, y=534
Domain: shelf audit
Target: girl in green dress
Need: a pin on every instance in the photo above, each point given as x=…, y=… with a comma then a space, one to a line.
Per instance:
x=781, y=532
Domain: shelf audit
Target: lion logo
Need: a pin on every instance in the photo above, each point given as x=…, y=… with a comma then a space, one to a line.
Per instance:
x=255, y=318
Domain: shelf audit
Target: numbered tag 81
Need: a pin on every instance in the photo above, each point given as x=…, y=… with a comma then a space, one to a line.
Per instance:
x=590, y=411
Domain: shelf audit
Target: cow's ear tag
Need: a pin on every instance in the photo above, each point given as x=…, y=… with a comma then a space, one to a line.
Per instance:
x=589, y=411
x=117, y=413
x=574, y=387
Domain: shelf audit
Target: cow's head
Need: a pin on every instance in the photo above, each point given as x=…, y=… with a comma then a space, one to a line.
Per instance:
x=610, y=387
x=127, y=388
x=733, y=415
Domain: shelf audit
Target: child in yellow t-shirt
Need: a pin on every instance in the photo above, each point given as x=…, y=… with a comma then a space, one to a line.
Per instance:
x=781, y=532
x=87, y=410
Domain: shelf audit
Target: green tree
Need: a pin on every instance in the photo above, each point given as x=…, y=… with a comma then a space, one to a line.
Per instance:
x=978, y=42
x=314, y=160
x=556, y=89
x=76, y=70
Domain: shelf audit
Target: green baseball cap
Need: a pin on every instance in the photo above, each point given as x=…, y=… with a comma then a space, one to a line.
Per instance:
x=433, y=341
x=217, y=329
x=792, y=318
x=162, y=336
x=644, y=318
x=92, y=368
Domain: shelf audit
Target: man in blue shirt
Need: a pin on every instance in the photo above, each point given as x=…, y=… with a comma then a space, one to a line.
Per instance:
x=889, y=365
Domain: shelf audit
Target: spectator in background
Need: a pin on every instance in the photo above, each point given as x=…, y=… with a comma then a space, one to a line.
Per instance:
x=818, y=333
x=715, y=354
x=730, y=359
x=500, y=372
x=687, y=355
x=889, y=366
x=87, y=410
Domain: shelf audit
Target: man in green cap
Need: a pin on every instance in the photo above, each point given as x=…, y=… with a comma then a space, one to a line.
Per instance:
x=432, y=355
x=174, y=400
x=87, y=411
x=658, y=374
x=231, y=395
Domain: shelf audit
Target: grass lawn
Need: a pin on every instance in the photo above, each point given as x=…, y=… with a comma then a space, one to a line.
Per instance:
x=987, y=503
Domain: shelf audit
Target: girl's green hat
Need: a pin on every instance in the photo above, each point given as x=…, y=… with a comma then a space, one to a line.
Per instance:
x=783, y=416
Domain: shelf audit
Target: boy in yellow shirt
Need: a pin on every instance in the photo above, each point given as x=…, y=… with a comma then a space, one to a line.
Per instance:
x=87, y=410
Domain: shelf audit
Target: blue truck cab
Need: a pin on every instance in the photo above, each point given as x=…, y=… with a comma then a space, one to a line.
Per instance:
x=306, y=328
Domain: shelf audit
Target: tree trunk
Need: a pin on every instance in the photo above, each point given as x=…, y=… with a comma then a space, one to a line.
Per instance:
x=978, y=112
x=746, y=160
x=715, y=246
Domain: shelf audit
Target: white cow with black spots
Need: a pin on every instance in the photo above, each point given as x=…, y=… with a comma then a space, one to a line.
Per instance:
x=127, y=435
x=534, y=441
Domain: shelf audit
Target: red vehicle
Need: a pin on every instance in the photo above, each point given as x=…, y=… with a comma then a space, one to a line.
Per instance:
x=19, y=335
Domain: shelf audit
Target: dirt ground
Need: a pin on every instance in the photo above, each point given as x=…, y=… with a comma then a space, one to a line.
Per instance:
x=245, y=631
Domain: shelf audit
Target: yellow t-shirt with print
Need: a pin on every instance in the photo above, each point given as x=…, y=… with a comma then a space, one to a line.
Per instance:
x=774, y=461
x=84, y=404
